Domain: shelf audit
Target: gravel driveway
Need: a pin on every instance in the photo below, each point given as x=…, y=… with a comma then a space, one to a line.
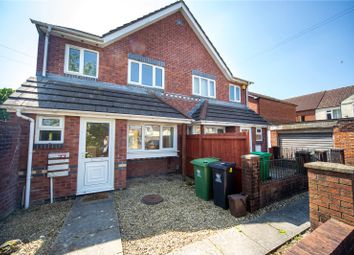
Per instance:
x=36, y=227
x=180, y=219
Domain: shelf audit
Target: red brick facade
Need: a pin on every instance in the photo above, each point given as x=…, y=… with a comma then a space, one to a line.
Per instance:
x=305, y=116
x=176, y=45
x=273, y=111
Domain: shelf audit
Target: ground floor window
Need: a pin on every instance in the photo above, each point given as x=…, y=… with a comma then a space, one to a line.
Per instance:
x=151, y=138
x=49, y=130
x=214, y=130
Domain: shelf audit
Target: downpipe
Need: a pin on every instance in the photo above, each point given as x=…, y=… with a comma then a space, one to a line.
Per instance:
x=29, y=157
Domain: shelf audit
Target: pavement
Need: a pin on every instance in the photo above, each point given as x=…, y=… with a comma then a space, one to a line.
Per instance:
x=260, y=236
x=91, y=228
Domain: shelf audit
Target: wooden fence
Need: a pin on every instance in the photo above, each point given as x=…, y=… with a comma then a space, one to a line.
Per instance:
x=228, y=147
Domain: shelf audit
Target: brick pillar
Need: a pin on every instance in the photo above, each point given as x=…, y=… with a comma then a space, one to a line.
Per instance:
x=120, y=169
x=331, y=192
x=251, y=181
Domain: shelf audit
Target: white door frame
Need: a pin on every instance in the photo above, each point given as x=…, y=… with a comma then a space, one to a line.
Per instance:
x=250, y=136
x=82, y=153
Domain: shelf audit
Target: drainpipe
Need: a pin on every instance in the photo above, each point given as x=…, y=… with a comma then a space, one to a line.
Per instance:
x=29, y=157
x=46, y=41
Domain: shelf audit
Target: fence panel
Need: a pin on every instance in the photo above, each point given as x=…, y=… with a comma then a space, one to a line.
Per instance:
x=228, y=147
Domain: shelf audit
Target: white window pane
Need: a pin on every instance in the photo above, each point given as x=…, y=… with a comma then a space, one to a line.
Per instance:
x=90, y=63
x=211, y=88
x=238, y=94
x=74, y=60
x=204, y=87
x=152, y=137
x=51, y=122
x=134, y=72
x=232, y=93
x=146, y=75
x=167, y=137
x=158, y=77
x=196, y=89
x=135, y=137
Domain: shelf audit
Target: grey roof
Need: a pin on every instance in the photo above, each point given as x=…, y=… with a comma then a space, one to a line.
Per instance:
x=228, y=113
x=54, y=94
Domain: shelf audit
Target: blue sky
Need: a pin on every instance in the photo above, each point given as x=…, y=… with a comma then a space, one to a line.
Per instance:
x=246, y=33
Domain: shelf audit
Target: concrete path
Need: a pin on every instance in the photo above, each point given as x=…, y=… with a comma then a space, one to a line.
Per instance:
x=90, y=228
x=257, y=237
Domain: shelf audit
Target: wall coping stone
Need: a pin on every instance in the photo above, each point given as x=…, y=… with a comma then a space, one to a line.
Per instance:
x=249, y=156
x=332, y=167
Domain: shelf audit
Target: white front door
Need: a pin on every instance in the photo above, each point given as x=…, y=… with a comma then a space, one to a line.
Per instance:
x=96, y=156
x=249, y=130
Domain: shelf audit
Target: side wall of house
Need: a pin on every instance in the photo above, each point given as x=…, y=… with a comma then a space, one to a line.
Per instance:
x=308, y=115
x=167, y=40
x=253, y=104
x=343, y=136
x=277, y=112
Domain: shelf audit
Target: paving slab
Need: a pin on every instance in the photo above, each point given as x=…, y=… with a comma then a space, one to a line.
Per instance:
x=91, y=228
x=257, y=237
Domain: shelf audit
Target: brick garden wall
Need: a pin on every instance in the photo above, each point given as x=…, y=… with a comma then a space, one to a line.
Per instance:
x=154, y=166
x=176, y=45
x=331, y=189
x=9, y=157
x=277, y=190
x=343, y=137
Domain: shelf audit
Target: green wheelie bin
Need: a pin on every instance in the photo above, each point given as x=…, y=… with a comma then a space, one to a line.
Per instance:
x=264, y=164
x=203, y=177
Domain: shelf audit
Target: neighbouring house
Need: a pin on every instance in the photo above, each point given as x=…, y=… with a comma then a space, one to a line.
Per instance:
x=119, y=105
x=325, y=105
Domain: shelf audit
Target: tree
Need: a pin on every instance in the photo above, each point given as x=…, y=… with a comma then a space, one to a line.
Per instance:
x=4, y=94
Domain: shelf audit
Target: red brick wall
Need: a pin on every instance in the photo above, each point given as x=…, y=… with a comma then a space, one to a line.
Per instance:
x=177, y=46
x=277, y=112
x=120, y=169
x=9, y=157
x=154, y=166
x=253, y=104
x=309, y=115
x=331, y=195
x=343, y=137
x=182, y=105
x=274, y=138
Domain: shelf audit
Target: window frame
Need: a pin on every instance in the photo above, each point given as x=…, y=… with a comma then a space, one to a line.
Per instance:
x=216, y=127
x=40, y=127
x=81, y=62
x=259, y=133
x=154, y=67
x=331, y=112
x=200, y=84
x=142, y=153
x=235, y=87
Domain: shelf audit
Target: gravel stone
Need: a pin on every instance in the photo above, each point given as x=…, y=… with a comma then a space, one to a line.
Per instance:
x=180, y=219
x=37, y=227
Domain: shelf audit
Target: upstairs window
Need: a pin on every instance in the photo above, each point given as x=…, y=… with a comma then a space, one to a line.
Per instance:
x=49, y=130
x=235, y=93
x=203, y=86
x=334, y=114
x=80, y=61
x=144, y=74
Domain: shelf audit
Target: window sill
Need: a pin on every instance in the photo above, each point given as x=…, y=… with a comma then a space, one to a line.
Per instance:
x=48, y=146
x=151, y=154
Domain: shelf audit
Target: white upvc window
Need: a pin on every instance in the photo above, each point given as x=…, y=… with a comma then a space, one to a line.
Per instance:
x=334, y=114
x=214, y=130
x=203, y=86
x=259, y=135
x=144, y=74
x=149, y=139
x=235, y=93
x=49, y=130
x=81, y=61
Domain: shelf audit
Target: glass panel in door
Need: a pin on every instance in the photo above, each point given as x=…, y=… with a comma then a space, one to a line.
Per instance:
x=97, y=140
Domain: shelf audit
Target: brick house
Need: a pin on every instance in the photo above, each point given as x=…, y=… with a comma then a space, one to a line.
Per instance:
x=119, y=104
x=325, y=105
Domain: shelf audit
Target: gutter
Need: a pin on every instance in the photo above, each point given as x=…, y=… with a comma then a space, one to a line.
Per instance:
x=29, y=158
x=45, y=54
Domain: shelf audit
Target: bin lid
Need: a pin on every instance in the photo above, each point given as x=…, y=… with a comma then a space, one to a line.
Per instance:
x=222, y=165
x=203, y=161
x=262, y=154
